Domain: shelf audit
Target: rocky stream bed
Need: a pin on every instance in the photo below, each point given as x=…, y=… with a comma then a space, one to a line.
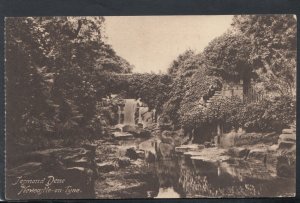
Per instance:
x=163, y=165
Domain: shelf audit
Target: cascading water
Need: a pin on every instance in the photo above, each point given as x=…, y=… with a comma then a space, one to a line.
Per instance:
x=129, y=111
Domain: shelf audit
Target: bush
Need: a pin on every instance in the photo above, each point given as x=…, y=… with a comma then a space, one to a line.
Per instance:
x=268, y=114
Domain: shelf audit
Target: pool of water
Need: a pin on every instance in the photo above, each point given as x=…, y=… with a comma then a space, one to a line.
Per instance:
x=187, y=178
x=174, y=175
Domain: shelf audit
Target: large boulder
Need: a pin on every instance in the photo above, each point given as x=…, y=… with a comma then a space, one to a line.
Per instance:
x=150, y=157
x=105, y=167
x=289, y=131
x=286, y=166
x=290, y=137
x=131, y=153
x=130, y=128
x=239, y=152
x=123, y=162
x=287, y=146
x=143, y=133
x=258, y=154
x=136, y=131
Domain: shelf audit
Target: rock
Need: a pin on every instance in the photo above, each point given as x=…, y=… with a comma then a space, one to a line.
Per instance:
x=240, y=139
x=105, y=167
x=287, y=137
x=288, y=131
x=145, y=133
x=80, y=170
x=131, y=153
x=192, y=147
x=167, y=140
x=287, y=146
x=123, y=162
x=122, y=135
x=258, y=154
x=217, y=140
x=140, y=154
x=285, y=167
x=172, y=134
x=118, y=127
x=238, y=152
x=138, y=162
x=207, y=144
x=65, y=162
x=192, y=153
x=227, y=140
x=150, y=157
x=130, y=128
x=207, y=159
x=273, y=147
x=269, y=138
x=25, y=169
x=151, y=127
x=136, y=131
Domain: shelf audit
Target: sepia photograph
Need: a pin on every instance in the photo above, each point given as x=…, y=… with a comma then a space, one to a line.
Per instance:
x=171, y=106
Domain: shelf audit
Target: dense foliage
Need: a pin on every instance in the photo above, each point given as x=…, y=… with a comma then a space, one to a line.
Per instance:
x=191, y=82
x=268, y=115
x=261, y=48
x=193, y=102
x=185, y=64
x=273, y=49
x=227, y=57
x=59, y=68
x=55, y=71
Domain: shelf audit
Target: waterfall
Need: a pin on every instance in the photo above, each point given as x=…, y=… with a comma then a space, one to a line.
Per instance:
x=129, y=111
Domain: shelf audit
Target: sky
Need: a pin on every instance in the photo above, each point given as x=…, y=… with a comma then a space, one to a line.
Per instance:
x=151, y=43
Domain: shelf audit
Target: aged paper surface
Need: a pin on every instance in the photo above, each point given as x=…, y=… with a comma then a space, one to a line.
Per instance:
x=150, y=106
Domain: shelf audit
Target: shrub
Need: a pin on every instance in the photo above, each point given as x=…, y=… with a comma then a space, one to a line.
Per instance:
x=268, y=114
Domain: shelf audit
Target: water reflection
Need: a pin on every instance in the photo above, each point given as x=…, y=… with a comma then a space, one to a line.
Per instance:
x=167, y=193
x=184, y=177
x=167, y=171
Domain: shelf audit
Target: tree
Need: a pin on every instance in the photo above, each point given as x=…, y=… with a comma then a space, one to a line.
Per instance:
x=55, y=73
x=192, y=108
x=273, y=49
x=227, y=56
x=185, y=64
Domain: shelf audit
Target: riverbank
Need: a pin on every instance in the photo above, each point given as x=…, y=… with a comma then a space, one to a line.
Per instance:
x=165, y=164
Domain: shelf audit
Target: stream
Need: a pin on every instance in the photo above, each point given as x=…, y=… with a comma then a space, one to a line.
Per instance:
x=187, y=178
x=174, y=175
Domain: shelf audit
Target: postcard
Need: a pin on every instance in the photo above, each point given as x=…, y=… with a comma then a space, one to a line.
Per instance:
x=124, y=107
